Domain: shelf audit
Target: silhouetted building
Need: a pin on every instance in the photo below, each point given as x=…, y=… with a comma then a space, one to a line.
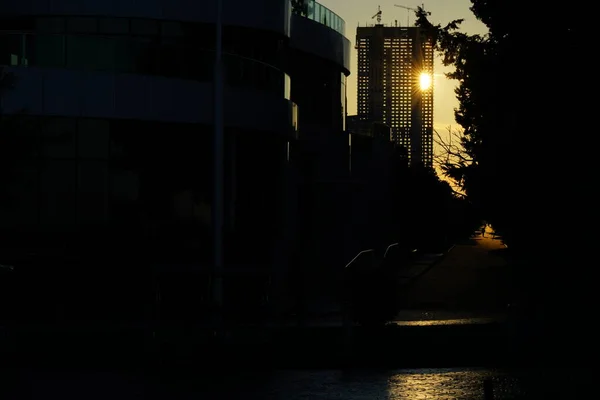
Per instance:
x=395, y=85
x=355, y=125
x=118, y=96
x=319, y=62
x=121, y=93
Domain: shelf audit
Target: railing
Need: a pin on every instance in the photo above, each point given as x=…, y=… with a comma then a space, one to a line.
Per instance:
x=369, y=286
x=369, y=251
x=319, y=13
x=396, y=256
x=387, y=250
x=352, y=275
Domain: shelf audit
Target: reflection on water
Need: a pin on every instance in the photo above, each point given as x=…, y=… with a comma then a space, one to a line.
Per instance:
x=437, y=322
x=438, y=384
x=399, y=385
x=450, y=385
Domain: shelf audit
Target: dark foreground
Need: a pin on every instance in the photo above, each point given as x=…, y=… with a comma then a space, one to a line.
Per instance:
x=414, y=358
x=291, y=384
x=451, y=345
x=469, y=281
x=455, y=361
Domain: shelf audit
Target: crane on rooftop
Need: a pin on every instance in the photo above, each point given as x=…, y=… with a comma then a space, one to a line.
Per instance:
x=408, y=13
x=378, y=15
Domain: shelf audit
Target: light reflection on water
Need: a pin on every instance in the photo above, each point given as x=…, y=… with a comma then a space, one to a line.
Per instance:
x=419, y=384
x=453, y=322
x=372, y=384
x=448, y=385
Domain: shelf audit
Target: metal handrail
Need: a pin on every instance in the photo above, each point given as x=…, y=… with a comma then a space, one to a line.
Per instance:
x=393, y=245
x=302, y=8
x=358, y=255
x=388, y=249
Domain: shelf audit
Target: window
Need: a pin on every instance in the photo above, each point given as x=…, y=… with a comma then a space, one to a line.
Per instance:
x=200, y=64
x=50, y=25
x=11, y=48
x=144, y=56
x=58, y=192
x=49, y=50
x=91, y=52
x=171, y=29
x=124, y=58
x=92, y=191
x=113, y=26
x=82, y=25
x=145, y=27
x=93, y=138
x=92, y=45
x=171, y=60
x=59, y=139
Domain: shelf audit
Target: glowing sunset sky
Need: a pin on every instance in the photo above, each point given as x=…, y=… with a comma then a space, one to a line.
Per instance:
x=356, y=12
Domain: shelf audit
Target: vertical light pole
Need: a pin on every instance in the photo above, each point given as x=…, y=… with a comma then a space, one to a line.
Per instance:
x=218, y=184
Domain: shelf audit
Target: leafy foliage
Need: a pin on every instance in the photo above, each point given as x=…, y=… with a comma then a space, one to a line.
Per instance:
x=507, y=170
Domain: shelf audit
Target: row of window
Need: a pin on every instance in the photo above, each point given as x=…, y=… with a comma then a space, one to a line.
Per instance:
x=92, y=24
x=252, y=43
x=76, y=169
x=79, y=168
x=90, y=138
x=135, y=55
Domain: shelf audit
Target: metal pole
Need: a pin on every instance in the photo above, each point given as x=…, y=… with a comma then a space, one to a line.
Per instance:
x=218, y=164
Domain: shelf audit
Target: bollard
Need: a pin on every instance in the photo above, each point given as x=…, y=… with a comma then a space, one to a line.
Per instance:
x=488, y=389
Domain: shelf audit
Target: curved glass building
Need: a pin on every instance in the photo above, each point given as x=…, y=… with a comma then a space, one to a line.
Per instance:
x=118, y=97
x=113, y=109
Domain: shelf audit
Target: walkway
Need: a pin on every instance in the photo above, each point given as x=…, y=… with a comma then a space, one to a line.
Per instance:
x=471, y=281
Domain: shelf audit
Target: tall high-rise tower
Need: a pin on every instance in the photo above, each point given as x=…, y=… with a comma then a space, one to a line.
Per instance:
x=395, y=85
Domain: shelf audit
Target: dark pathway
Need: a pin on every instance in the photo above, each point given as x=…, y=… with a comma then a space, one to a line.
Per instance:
x=472, y=281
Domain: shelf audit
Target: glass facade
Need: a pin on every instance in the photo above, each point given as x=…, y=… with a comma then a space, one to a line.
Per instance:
x=320, y=93
x=134, y=196
x=100, y=180
x=319, y=13
x=139, y=46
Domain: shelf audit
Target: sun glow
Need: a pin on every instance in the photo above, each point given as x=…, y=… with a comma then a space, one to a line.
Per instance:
x=425, y=81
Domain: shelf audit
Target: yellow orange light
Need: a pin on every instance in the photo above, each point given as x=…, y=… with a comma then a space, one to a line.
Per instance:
x=425, y=81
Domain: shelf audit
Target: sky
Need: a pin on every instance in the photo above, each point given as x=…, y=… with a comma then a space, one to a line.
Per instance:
x=356, y=12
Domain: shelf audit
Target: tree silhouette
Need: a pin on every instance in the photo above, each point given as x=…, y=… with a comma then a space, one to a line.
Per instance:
x=506, y=167
x=523, y=92
x=452, y=158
